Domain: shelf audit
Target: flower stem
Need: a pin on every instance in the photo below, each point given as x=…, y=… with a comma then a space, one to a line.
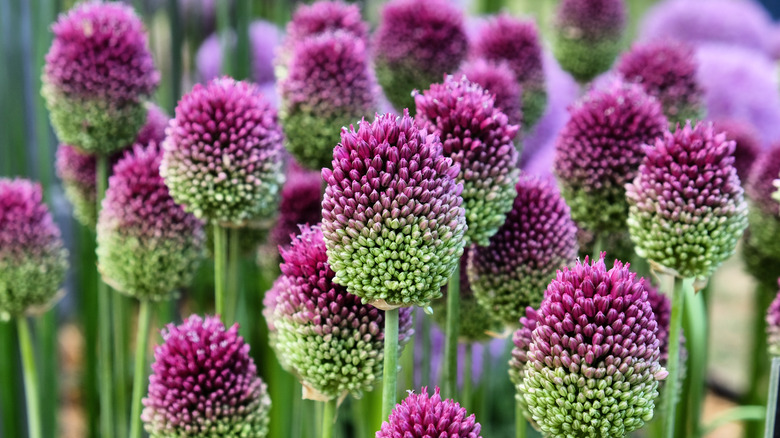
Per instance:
x=520, y=422
x=673, y=363
x=233, y=275
x=450, y=371
x=390, y=377
x=697, y=334
x=104, y=323
x=119, y=313
x=466, y=396
x=30, y=378
x=141, y=344
x=759, y=357
x=772, y=405
x=220, y=268
x=329, y=418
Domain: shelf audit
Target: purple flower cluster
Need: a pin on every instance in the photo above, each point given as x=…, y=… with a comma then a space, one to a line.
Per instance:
x=300, y=203
x=748, y=143
x=423, y=415
x=325, y=16
x=499, y=80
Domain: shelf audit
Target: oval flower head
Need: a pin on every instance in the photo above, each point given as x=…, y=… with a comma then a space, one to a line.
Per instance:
x=587, y=35
x=147, y=245
x=416, y=43
x=594, y=346
x=98, y=72
x=687, y=209
x=478, y=136
x=600, y=149
x=773, y=326
x=320, y=332
x=33, y=259
x=423, y=415
x=300, y=204
x=748, y=145
x=538, y=238
x=222, y=158
x=325, y=16
x=499, y=80
x=205, y=384
x=392, y=215
x=764, y=216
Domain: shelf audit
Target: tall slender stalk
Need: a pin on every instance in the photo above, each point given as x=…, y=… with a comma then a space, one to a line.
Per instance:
x=220, y=268
x=141, y=344
x=673, y=363
x=104, y=324
x=771, y=407
x=233, y=280
x=520, y=421
x=390, y=376
x=329, y=418
x=224, y=32
x=30, y=379
x=119, y=315
x=450, y=371
x=177, y=46
x=697, y=333
x=9, y=410
x=759, y=358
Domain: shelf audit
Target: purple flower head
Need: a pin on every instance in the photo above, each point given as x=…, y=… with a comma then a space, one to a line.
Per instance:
x=773, y=326
x=499, y=80
x=600, y=149
x=98, y=72
x=323, y=17
x=392, y=215
x=222, y=158
x=477, y=136
x=147, y=245
x=522, y=339
x=538, y=238
x=667, y=71
x=314, y=323
x=594, y=329
x=748, y=144
x=416, y=44
x=687, y=209
x=264, y=37
x=423, y=415
x=33, y=259
x=301, y=203
x=764, y=215
x=662, y=309
x=203, y=380
x=759, y=185
x=330, y=84
x=592, y=20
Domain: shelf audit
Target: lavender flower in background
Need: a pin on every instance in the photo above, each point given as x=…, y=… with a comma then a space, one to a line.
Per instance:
x=773, y=326
x=98, y=72
x=33, y=258
x=323, y=17
x=300, y=203
x=429, y=416
x=204, y=382
x=499, y=80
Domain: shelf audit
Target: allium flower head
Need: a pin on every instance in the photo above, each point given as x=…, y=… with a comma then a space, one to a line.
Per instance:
x=147, y=245
x=98, y=72
x=748, y=144
x=666, y=70
x=773, y=326
x=516, y=42
x=301, y=203
x=330, y=85
x=477, y=136
x=764, y=214
x=538, y=238
x=499, y=80
x=33, y=259
x=587, y=35
x=204, y=383
x=416, y=44
x=222, y=158
x=522, y=339
x=594, y=344
x=687, y=209
x=662, y=309
x=321, y=333
x=326, y=16
x=423, y=415
x=600, y=149
x=392, y=215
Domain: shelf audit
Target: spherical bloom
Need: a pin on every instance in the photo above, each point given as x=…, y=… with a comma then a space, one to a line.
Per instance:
x=687, y=209
x=33, y=259
x=147, y=246
x=98, y=72
x=78, y=170
x=773, y=326
x=392, y=216
x=325, y=16
x=477, y=136
x=521, y=339
x=667, y=71
x=499, y=80
x=330, y=85
x=516, y=42
x=764, y=214
x=600, y=149
x=204, y=383
x=416, y=44
x=222, y=158
x=264, y=37
x=321, y=333
x=587, y=35
x=748, y=143
x=301, y=203
x=538, y=238
x=426, y=415
x=595, y=345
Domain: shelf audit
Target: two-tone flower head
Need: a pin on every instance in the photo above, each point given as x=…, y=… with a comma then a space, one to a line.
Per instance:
x=477, y=136
x=325, y=16
x=300, y=204
x=78, y=169
x=33, y=259
x=773, y=326
x=748, y=143
x=415, y=44
x=223, y=156
x=521, y=339
x=98, y=72
x=666, y=70
x=427, y=415
x=321, y=333
x=204, y=383
x=516, y=42
x=595, y=346
x=147, y=245
x=587, y=35
x=538, y=238
x=599, y=150
x=330, y=84
x=764, y=214
x=392, y=215
x=687, y=209
x=499, y=80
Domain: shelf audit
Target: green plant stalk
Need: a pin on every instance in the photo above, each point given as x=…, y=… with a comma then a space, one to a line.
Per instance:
x=88, y=310
x=120, y=310
x=598, y=246
x=450, y=369
x=467, y=370
x=520, y=421
x=361, y=415
x=390, y=375
x=739, y=413
x=220, y=268
x=104, y=324
x=223, y=30
x=243, y=56
x=771, y=406
x=759, y=358
x=329, y=418
x=8, y=372
x=139, y=373
x=30, y=379
x=673, y=363
x=697, y=332
x=177, y=47
x=233, y=275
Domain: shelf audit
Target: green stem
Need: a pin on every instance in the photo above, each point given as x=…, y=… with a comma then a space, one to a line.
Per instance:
x=104, y=323
x=759, y=360
x=771, y=406
x=46, y=326
x=220, y=268
x=30, y=379
x=739, y=413
x=233, y=275
x=390, y=376
x=9, y=411
x=177, y=47
x=520, y=421
x=450, y=370
x=466, y=397
x=673, y=363
x=119, y=311
x=141, y=344
x=223, y=30
x=598, y=246
x=329, y=418
x=696, y=323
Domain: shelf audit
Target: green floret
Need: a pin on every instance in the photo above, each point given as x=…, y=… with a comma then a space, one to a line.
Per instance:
x=310, y=138
x=30, y=285
x=534, y=105
x=583, y=58
x=84, y=204
x=603, y=210
x=399, y=81
x=507, y=295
